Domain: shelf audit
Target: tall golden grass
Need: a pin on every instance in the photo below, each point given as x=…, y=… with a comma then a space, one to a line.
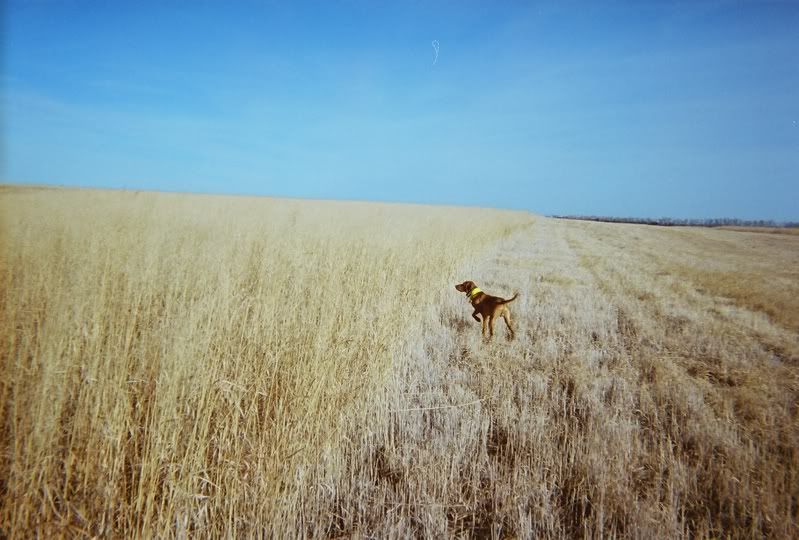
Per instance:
x=217, y=366
x=194, y=364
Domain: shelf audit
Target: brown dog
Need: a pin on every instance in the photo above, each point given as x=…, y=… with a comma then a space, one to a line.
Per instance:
x=488, y=306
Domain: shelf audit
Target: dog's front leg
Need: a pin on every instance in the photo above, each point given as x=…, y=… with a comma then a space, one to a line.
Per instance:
x=475, y=317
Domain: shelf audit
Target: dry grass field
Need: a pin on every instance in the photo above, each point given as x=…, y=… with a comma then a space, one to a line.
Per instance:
x=765, y=230
x=200, y=366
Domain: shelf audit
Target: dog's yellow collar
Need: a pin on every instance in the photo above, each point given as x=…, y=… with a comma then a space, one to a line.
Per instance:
x=474, y=291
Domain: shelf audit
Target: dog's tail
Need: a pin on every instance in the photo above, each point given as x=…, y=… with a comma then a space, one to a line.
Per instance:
x=509, y=300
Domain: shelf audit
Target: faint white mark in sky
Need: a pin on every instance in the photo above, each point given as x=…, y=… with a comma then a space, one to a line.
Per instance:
x=435, y=48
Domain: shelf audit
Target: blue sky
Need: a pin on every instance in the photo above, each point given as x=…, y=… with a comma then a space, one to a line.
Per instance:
x=682, y=109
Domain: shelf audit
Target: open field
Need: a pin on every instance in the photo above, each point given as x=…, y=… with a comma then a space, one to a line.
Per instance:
x=218, y=366
x=765, y=230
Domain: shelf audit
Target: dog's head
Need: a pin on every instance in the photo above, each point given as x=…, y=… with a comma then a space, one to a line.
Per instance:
x=466, y=286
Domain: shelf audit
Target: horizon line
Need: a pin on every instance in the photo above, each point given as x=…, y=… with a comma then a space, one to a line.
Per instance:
x=38, y=185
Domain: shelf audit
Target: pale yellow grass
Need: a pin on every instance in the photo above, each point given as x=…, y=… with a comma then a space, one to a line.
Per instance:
x=633, y=403
x=176, y=364
x=216, y=367
x=763, y=230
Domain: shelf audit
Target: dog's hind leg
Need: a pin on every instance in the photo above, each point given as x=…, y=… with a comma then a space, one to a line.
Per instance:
x=506, y=316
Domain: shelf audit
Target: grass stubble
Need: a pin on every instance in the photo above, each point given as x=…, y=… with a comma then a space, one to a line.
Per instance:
x=218, y=366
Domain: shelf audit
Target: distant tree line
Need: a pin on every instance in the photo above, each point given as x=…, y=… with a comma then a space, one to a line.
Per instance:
x=673, y=222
